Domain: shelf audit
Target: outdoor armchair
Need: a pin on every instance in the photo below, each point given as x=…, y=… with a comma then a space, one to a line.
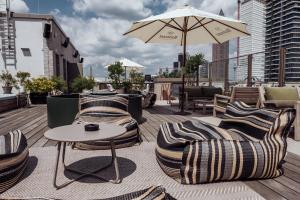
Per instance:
x=250, y=143
x=248, y=95
x=110, y=109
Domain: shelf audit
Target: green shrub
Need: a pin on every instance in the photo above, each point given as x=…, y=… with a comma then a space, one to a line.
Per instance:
x=39, y=85
x=59, y=84
x=81, y=83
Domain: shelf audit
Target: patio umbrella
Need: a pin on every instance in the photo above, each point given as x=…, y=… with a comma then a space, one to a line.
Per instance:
x=186, y=26
x=129, y=65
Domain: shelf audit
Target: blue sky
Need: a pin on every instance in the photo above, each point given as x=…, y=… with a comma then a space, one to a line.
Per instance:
x=96, y=28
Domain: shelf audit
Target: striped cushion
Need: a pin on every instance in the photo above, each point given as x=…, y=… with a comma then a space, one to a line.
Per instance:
x=192, y=153
x=105, y=101
x=13, y=158
x=152, y=193
x=110, y=114
x=251, y=122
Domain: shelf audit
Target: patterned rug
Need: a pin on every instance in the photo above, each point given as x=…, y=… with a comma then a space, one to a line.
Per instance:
x=139, y=170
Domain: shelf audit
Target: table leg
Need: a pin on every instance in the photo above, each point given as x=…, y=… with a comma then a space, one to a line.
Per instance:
x=204, y=108
x=116, y=164
x=56, y=165
x=82, y=174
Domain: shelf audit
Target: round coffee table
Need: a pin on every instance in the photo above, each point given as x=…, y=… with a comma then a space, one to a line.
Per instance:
x=76, y=133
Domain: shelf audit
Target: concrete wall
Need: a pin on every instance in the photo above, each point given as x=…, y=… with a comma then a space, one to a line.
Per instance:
x=54, y=43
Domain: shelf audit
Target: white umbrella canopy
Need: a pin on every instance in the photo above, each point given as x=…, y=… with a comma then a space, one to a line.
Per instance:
x=200, y=27
x=187, y=26
x=129, y=64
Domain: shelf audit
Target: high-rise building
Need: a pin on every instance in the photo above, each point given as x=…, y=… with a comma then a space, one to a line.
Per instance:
x=253, y=13
x=220, y=55
x=282, y=31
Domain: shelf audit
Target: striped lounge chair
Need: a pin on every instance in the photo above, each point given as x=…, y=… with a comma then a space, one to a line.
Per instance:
x=249, y=143
x=111, y=109
x=13, y=158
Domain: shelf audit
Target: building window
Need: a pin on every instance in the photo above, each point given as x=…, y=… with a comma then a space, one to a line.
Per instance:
x=26, y=52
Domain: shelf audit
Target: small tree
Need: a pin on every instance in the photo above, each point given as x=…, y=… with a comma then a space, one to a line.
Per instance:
x=137, y=79
x=194, y=62
x=22, y=77
x=115, y=72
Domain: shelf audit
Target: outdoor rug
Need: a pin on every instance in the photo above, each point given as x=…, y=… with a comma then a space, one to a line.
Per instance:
x=139, y=170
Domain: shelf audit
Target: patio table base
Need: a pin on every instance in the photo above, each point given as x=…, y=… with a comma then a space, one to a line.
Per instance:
x=83, y=174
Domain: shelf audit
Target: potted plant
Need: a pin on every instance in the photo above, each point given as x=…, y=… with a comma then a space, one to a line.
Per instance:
x=9, y=82
x=22, y=78
x=60, y=85
x=39, y=89
x=127, y=85
x=81, y=83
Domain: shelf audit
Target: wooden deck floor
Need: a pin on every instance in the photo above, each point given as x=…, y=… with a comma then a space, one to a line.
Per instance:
x=33, y=122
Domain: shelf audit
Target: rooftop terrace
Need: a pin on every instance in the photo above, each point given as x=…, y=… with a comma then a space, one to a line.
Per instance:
x=33, y=122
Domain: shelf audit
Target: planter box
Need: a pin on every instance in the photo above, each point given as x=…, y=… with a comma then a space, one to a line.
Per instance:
x=38, y=98
x=62, y=109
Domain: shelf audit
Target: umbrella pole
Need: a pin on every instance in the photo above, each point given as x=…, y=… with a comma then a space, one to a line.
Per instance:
x=182, y=112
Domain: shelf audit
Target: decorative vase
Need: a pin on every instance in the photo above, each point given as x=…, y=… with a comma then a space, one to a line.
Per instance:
x=7, y=89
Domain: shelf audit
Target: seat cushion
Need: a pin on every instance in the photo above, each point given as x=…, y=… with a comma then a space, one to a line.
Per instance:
x=194, y=152
x=174, y=138
x=281, y=93
x=251, y=122
x=151, y=193
x=110, y=115
x=13, y=158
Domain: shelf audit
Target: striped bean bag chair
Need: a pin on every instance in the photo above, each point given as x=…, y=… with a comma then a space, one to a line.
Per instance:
x=13, y=158
x=110, y=109
x=249, y=143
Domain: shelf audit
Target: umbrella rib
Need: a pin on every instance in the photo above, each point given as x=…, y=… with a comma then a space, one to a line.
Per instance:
x=158, y=31
x=200, y=25
x=196, y=24
x=177, y=23
x=139, y=27
x=208, y=31
x=171, y=26
x=231, y=27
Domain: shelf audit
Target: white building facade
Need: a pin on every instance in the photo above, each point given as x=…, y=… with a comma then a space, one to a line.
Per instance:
x=37, y=44
x=253, y=12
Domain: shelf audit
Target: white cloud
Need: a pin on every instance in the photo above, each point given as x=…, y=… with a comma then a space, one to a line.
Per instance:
x=100, y=38
x=129, y=9
x=19, y=6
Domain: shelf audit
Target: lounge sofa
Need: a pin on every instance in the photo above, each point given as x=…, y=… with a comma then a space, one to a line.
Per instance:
x=110, y=109
x=249, y=143
x=282, y=97
x=199, y=92
x=13, y=158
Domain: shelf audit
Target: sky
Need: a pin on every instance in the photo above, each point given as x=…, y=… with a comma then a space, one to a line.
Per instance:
x=96, y=28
